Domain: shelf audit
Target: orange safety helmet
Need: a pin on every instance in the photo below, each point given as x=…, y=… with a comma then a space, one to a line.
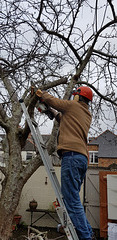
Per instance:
x=84, y=91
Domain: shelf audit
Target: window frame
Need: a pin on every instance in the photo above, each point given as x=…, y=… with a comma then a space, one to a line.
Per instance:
x=27, y=155
x=93, y=154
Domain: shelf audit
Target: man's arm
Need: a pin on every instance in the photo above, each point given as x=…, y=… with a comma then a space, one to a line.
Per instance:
x=56, y=103
x=55, y=114
x=58, y=116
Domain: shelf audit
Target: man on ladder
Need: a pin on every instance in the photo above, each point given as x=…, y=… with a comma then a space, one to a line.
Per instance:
x=75, y=120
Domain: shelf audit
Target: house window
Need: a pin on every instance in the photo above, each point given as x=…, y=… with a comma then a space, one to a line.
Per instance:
x=93, y=157
x=28, y=156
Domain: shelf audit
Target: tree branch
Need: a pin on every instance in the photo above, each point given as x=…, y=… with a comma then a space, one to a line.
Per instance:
x=3, y=118
x=62, y=80
x=102, y=29
x=112, y=8
x=3, y=170
x=8, y=85
x=29, y=99
x=51, y=32
x=51, y=146
x=31, y=168
x=104, y=54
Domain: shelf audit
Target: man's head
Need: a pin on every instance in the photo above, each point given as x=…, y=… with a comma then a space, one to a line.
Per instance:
x=84, y=94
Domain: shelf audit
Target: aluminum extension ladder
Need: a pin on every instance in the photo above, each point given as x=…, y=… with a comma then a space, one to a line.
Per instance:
x=60, y=208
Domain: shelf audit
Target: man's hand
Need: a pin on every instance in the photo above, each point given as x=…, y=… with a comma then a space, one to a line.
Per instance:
x=39, y=93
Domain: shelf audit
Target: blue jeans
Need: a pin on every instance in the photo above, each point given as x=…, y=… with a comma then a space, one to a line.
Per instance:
x=73, y=170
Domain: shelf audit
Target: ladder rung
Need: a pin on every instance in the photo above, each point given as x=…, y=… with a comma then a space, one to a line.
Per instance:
x=34, y=122
x=61, y=212
x=43, y=145
x=52, y=170
x=65, y=218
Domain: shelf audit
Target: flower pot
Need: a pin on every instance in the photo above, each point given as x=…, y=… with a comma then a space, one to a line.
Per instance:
x=33, y=205
x=16, y=219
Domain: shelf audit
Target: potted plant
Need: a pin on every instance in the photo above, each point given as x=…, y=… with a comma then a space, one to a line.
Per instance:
x=33, y=204
x=16, y=221
x=17, y=218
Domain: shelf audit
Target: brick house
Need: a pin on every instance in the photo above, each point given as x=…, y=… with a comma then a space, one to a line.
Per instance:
x=103, y=149
x=99, y=198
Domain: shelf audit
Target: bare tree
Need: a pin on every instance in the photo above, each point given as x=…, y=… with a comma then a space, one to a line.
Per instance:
x=87, y=36
x=55, y=45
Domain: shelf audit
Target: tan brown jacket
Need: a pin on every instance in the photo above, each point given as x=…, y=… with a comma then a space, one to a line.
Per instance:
x=74, y=124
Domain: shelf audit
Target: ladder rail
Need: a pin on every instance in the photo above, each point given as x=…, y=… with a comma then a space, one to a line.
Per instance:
x=61, y=211
x=47, y=163
x=49, y=168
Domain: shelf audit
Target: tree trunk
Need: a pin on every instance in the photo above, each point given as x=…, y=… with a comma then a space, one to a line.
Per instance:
x=5, y=224
x=11, y=186
x=16, y=176
x=8, y=204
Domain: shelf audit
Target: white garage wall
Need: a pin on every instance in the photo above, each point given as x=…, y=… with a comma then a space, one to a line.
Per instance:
x=35, y=188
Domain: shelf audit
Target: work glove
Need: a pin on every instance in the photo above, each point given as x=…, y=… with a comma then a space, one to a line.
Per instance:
x=43, y=107
x=39, y=93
